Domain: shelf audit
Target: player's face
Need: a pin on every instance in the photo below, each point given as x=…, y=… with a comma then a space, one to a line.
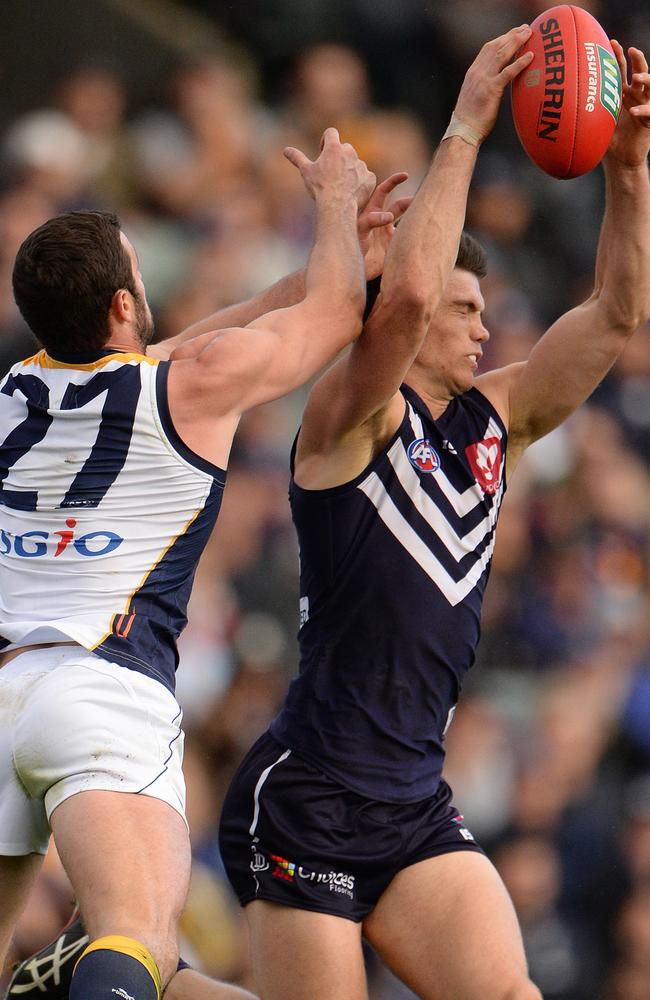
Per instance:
x=453, y=346
x=144, y=328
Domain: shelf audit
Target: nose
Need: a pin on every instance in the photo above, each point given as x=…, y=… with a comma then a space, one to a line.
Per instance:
x=481, y=333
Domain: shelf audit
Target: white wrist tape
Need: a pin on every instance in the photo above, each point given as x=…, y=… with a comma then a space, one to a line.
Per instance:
x=460, y=128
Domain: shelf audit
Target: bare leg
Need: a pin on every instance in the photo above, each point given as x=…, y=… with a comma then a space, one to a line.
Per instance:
x=128, y=858
x=447, y=928
x=50, y=971
x=191, y=985
x=17, y=876
x=302, y=955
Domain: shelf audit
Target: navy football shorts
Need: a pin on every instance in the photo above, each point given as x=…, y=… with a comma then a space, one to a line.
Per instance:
x=292, y=835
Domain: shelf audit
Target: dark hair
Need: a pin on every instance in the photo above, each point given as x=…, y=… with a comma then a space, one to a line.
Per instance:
x=65, y=275
x=471, y=256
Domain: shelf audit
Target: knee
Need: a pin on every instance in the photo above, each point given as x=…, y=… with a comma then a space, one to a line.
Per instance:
x=156, y=933
x=159, y=950
x=164, y=950
x=523, y=989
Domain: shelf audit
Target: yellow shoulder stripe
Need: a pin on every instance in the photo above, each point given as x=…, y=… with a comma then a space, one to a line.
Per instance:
x=43, y=360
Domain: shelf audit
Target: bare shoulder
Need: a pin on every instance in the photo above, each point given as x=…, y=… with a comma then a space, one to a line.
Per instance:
x=203, y=410
x=497, y=386
x=325, y=459
x=207, y=387
x=161, y=351
x=218, y=369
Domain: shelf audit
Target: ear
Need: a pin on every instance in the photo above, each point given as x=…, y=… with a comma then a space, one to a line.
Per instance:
x=122, y=306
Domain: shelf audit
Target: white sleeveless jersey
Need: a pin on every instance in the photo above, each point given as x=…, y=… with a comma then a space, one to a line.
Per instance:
x=104, y=511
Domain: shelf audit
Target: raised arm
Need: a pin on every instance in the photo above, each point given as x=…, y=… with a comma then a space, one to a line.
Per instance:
x=356, y=405
x=215, y=377
x=285, y=292
x=570, y=360
x=290, y=289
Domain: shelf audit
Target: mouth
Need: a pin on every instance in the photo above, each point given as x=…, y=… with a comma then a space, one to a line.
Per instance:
x=474, y=358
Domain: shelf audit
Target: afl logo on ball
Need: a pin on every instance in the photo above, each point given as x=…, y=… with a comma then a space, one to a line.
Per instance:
x=423, y=456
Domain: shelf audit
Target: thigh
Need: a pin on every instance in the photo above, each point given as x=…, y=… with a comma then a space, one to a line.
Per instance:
x=291, y=835
x=188, y=984
x=17, y=876
x=128, y=858
x=447, y=928
x=304, y=955
x=23, y=824
x=92, y=724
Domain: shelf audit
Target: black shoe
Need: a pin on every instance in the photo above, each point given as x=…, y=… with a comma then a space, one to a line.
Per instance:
x=50, y=970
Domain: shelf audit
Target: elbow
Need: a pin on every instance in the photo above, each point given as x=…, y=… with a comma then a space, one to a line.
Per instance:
x=412, y=302
x=624, y=318
x=351, y=327
x=624, y=309
x=345, y=323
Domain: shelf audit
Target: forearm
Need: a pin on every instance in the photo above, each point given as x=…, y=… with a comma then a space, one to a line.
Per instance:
x=425, y=245
x=622, y=267
x=285, y=292
x=335, y=275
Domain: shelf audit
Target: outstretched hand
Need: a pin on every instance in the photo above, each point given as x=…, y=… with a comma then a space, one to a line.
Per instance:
x=631, y=140
x=487, y=78
x=376, y=224
x=337, y=172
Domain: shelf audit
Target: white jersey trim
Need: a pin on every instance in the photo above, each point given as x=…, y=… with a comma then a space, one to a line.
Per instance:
x=258, y=788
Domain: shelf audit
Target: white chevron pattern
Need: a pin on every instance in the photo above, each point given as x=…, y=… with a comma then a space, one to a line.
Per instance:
x=454, y=591
x=458, y=546
x=469, y=498
x=462, y=503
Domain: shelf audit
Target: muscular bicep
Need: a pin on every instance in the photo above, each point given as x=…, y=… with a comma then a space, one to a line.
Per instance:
x=364, y=382
x=563, y=369
x=237, y=369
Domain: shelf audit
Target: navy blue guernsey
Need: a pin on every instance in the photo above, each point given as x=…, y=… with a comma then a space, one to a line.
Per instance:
x=393, y=571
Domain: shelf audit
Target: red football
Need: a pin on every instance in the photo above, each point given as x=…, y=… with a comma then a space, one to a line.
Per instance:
x=566, y=103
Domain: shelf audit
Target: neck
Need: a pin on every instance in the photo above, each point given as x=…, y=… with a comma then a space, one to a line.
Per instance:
x=436, y=398
x=81, y=357
x=121, y=344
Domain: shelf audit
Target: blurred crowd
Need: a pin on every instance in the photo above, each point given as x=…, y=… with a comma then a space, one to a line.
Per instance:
x=549, y=752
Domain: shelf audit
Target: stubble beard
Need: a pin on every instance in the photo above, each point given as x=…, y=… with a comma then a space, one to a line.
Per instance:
x=144, y=326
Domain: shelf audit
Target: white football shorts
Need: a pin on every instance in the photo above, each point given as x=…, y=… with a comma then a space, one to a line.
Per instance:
x=71, y=721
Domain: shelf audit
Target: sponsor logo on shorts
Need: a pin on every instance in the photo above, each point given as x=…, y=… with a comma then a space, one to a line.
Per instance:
x=283, y=869
x=463, y=831
x=34, y=544
x=423, y=456
x=259, y=863
x=340, y=882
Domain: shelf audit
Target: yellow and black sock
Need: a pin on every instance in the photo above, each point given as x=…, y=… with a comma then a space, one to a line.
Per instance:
x=116, y=968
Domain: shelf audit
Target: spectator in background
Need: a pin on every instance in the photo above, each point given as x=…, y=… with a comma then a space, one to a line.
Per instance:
x=574, y=537
x=560, y=964
x=330, y=84
x=202, y=145
x=94, y=98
